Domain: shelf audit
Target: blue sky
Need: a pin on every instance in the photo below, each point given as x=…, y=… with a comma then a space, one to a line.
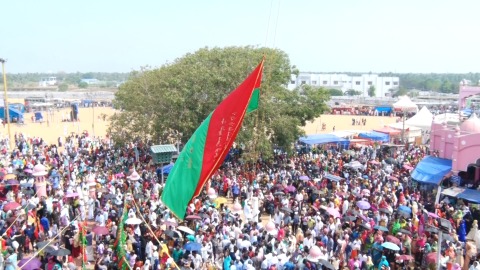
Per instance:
x=339, y=35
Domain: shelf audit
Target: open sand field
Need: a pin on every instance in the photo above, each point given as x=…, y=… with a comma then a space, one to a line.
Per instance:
x=344, y=122
x=92, y=120
x=52, y=127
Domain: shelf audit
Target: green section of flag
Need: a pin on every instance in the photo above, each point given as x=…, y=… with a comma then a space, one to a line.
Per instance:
x=121, y=241
x=184, y=178
x=254, y=100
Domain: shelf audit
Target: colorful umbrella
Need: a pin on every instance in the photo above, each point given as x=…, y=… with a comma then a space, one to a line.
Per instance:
x=9, y=176
x=431, y=257
x=405, y=257
x=364, y=205
x=304, y=178
x=186, y=230
x=170, y=223
x=29, y=264
x=405, y=209
x=193, y=217
x=381, y=228
x=12, y=182
x=100, y=230
x=333, y=212
x=11, y=206
x=220, y=200
x=61, y=252
x=393, y=239
x=71, y=195
x=391, y=246
x=133, y=221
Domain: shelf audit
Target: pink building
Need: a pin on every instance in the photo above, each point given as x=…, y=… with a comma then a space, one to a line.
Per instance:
x=460, y=143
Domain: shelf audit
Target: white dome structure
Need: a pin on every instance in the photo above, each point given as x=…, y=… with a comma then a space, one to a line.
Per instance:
x=471, y=125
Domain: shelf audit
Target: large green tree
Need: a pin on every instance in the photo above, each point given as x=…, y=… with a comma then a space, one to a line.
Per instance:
x=371, y=91
x=169, y=103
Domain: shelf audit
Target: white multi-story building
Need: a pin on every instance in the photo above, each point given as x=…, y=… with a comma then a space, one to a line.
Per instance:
x=345, y=82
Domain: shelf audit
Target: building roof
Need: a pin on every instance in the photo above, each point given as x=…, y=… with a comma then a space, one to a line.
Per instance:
x=164, y=148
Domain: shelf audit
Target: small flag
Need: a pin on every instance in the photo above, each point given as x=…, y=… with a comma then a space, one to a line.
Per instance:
x=209, y=144
x=121, y=241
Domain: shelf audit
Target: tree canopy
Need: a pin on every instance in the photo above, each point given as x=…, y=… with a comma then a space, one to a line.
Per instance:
x=168, y=103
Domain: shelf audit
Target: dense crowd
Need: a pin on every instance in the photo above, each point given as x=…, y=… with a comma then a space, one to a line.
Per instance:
x=325, y=208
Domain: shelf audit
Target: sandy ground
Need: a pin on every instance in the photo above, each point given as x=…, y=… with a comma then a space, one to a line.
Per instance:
x=344, y=122
x=52, y=127
x=91, y=120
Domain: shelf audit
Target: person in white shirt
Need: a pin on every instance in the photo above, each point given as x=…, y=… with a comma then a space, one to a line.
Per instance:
x=345, y=206
x=299, y=199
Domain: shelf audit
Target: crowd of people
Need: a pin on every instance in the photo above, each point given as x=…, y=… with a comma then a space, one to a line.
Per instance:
x=67, y=206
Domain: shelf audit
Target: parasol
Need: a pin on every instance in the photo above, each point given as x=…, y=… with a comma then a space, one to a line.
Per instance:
x=333, y=212
x=220, y=200
x=381, y=228
x=71, y=195
x=12, y=182
x=405, y=257
x=171, y=234
x=185, y=230
x=29, y=264
x=11, y=206
x=9, y=176
x=393, y=239
x=326, y=264
x=100, y=230
x=193, y=217
x=61, y=252
x=304, y=178
x=431, y=257
x=285, y=209
x=133, y=221
x=364, y=205
x=391, y=246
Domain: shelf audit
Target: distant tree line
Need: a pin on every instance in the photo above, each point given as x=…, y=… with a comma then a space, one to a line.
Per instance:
x=436, y=82
x=21, y=79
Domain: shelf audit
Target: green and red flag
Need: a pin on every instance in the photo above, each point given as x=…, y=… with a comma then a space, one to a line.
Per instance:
x=82, y=237
x=121, y=241
x=209, y=145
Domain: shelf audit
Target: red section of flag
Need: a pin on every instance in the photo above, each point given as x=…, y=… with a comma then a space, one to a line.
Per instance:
x=224, y=125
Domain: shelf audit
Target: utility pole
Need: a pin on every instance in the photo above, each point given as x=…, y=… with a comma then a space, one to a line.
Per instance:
x=7, y=109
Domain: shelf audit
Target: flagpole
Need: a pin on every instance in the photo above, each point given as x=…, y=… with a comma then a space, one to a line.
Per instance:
x=48, y=244
x=151, y=231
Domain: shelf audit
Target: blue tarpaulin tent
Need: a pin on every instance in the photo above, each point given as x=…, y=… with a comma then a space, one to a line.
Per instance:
x=431, y=170
x=375, y=136
x=471, y=195
x=323, y=139
x=383, y=109
x=167, y=168
x=38, y=117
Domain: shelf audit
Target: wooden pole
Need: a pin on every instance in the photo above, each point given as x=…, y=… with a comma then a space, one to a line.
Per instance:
x=48, y=244
x=151, y=231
